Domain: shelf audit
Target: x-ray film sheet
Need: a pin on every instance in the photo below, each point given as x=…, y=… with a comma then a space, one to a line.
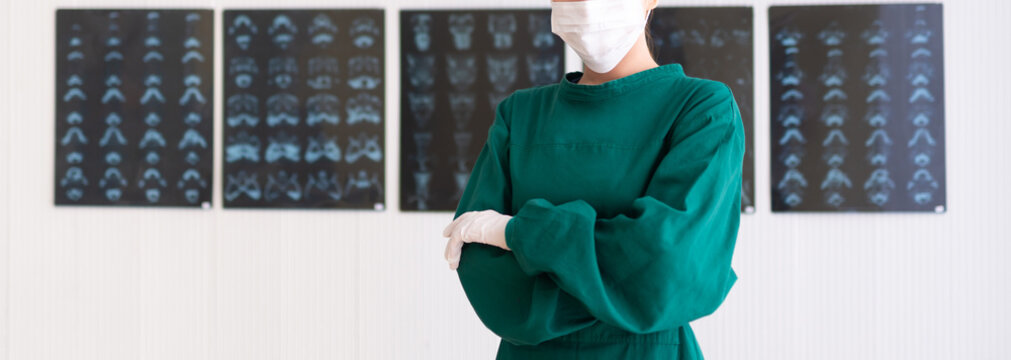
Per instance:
x=857, y=108
x=714, y=43
x=134, y=107
x=456, y=66
x=304, y=109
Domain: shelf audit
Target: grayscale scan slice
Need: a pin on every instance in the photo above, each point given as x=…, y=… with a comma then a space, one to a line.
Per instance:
x=456, y=66
x=857, y=108
x=714, y=43
x=304, y=109
x=134, y=107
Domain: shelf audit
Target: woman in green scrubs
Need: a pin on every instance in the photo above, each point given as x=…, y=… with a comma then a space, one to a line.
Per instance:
x=602, y=212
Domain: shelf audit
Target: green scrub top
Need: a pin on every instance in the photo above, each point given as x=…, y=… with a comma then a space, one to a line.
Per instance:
x=625, y=199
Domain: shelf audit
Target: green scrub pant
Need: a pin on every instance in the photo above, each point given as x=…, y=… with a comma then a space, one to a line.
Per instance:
x=683, y=348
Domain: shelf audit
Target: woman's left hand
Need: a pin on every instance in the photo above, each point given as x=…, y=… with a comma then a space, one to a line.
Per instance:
x=485, y=227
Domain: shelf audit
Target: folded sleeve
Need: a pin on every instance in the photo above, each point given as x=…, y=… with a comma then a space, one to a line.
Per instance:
x=522, y=308
x=665, y=261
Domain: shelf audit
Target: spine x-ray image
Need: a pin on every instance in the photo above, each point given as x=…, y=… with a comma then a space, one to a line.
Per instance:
x=857, y=108
x=303, y=109
x=134, y=107
x=714, y=43
x=456, y=66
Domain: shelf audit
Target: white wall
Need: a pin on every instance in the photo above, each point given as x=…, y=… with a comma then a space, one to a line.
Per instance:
x=5, y=203
x=126, y=283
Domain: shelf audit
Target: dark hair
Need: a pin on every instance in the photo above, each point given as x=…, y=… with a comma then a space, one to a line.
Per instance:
x=649, y=36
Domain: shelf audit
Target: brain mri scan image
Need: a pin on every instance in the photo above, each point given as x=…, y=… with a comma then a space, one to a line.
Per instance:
x=305, y=119
x=134, y=106
x=456, y=66
x=858, y=99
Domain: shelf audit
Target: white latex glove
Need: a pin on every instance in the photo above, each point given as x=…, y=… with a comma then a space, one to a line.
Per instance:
x=486, y=227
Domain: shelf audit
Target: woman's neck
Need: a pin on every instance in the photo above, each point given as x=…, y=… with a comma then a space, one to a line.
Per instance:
x=638, y=59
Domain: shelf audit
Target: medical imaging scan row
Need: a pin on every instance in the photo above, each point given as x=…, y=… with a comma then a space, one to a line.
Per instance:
x=857, y=108
x=134, y=107
x=457, y=66
x=714, y=43
x=304, y=109
x=856, y=102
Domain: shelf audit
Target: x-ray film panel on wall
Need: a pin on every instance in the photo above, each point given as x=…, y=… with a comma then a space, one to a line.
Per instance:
x=456, y=66
x=304, y=120
x=714, y=43
x=134, y=107
x=857, y=112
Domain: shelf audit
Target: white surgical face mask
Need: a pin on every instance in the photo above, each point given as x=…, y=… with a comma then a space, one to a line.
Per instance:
x=600, y=31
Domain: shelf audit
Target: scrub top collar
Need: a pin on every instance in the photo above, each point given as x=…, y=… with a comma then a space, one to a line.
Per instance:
x=570, y=89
